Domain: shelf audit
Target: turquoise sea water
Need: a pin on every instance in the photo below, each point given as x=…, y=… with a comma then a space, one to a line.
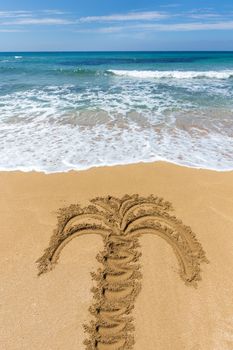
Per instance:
x=61, y=111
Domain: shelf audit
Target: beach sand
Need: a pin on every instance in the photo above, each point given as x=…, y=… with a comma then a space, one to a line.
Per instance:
x=48, y=312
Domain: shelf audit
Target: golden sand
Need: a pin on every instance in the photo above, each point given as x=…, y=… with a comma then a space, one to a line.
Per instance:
x=48, y=312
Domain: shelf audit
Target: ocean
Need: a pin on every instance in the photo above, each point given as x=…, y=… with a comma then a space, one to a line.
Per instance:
x=75, y=110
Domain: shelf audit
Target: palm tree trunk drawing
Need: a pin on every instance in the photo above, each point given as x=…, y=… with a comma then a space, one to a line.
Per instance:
x=121, y=222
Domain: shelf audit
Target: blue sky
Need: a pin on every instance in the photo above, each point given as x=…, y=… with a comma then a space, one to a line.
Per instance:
x=28, y=25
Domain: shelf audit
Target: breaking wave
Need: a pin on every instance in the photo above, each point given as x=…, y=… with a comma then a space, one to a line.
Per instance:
x=148, y=74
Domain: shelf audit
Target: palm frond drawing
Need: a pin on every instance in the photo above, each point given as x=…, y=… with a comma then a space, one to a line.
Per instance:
x=121, y=222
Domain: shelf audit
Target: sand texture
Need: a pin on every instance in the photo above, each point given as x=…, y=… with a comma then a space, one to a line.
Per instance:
x=117, y=285
x=120, y=222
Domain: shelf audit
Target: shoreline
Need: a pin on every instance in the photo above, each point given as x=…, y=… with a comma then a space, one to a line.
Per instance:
x=168, y=314
x=114, y=165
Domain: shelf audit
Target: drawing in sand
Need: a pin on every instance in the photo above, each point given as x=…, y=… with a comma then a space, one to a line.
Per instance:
x=121, y=222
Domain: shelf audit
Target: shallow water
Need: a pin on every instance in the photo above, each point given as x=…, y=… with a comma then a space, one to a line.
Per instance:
x=61, y=111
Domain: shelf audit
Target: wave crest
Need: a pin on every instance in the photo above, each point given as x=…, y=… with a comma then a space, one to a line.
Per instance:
x=148, y=74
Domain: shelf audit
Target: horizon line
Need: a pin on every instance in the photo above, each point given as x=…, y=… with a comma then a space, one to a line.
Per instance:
x=76, y=51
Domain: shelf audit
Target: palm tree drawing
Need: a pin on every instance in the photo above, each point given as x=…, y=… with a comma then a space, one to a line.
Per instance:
x=120, y=222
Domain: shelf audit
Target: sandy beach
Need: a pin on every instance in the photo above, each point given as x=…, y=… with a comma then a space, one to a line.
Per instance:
x=48, y=312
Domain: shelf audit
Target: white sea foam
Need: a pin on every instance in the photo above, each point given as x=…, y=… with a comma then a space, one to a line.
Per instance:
x=18, y=57
x=57, y=128
x=52, y=148
x=149, y=74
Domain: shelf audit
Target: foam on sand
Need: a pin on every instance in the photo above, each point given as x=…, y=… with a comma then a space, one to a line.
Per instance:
x=48, y=130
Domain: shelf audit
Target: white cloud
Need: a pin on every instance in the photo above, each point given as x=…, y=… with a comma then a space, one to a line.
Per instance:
x=201, y=10
x=104, y=30
x=195, y=20
x=22, y=13
x=40, y=17
x=54, y=12
x=205, y=16
x=38, y=21
x=110, y=30
x=131, y=16
x=223, y=25
x=11, y=31
x=197, y=26
x=15, y=14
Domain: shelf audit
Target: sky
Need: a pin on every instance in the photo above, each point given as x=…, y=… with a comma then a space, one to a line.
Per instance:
x=105, y=25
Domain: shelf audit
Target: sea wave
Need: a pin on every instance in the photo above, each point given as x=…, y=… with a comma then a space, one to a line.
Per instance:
x=88, y=147
x=176, y=74
x=110, y=131
x=46, y=72
x=77, y=71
